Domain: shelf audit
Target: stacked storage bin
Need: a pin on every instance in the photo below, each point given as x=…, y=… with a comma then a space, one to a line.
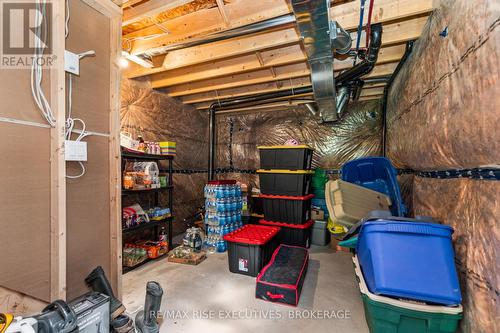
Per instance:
x=223, y=205
x=285, y=185
x=390, y=315
x=405, y=266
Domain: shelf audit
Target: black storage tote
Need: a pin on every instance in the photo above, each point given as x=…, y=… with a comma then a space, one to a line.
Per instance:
x=292, y=234
x=285, y=182
x=250, y=248
x=287, y=209
x=285, y=157
x=281, y=280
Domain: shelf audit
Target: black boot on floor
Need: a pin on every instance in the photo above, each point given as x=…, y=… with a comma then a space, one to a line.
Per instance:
x=123, y=324
x=97, y=281
x=146, y=320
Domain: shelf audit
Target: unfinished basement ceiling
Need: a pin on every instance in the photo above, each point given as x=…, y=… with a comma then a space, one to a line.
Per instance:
x=264, y=62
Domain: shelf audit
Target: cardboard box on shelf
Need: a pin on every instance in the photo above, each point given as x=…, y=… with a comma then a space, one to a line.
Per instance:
x=317, y=214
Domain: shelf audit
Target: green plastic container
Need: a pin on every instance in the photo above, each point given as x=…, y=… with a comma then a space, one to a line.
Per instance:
x=319, y=179
x=389, y=315
x=319, y=194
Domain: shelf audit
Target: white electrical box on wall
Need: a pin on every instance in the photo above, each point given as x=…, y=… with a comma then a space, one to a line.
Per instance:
x=71, y=62
x=75, y=151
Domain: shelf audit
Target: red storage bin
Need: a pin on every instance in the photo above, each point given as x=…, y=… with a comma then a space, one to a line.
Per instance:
x=250, y=248
x=281, y=280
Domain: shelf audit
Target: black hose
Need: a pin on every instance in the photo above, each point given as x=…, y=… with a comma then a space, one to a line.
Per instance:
x=368, y=63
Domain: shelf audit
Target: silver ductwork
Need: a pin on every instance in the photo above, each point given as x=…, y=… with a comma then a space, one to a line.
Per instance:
x=321, y=38
x=341, y=39
x=313, y=21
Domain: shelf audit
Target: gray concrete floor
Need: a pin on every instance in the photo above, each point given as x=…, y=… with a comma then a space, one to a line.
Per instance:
x=200, y=298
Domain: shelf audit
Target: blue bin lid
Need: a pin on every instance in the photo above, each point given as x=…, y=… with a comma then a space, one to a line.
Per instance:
x=431, y=229
x=378, y=174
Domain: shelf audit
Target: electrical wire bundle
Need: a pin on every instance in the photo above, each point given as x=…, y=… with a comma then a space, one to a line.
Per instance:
x=36, y=67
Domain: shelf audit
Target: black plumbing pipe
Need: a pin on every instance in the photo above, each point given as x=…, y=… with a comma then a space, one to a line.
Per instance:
x=368, y=63
x=241, y=101
x=408, y=49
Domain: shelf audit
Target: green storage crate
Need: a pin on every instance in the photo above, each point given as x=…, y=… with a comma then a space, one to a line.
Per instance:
x=389, y=315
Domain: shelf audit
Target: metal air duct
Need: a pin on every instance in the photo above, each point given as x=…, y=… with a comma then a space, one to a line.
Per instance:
x=313, y=21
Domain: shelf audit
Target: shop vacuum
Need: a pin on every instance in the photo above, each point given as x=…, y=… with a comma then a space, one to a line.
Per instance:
x=97, y=311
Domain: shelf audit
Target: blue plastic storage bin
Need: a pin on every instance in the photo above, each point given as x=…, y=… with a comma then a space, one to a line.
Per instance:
x=409, y=260
x=378, y=174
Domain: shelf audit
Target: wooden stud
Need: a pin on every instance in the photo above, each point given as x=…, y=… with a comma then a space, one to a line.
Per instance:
x=57, y=160
x=273, y=72
x=223, y=14
x=259, y=57
x=115, y=214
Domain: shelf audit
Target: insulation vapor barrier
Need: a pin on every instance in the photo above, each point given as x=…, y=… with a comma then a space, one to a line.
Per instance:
x=357, y=134
x=447, y=118
x=158, y=117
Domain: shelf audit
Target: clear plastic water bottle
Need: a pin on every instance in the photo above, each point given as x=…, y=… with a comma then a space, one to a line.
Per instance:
x=221, y=246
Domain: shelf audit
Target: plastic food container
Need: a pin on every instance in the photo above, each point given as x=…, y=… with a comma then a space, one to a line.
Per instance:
x=287, y=209
x=292, y=234
x=286, y=157
x=389, y=315
x=378, y=174
x=250, y=248
x=285, y=182
x=409, y=260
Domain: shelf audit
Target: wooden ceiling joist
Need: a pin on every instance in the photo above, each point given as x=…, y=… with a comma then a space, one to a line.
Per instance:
x=149, y=9
x=286, y=102
x=245, y=79
x=246, y=63
x=347, y=14
x=372, y=92
x=260, y=76
x=267, y=59
x=207, y=21
x=393, y=34
x=263, y=62
x=244, y=91
x=370, y=98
